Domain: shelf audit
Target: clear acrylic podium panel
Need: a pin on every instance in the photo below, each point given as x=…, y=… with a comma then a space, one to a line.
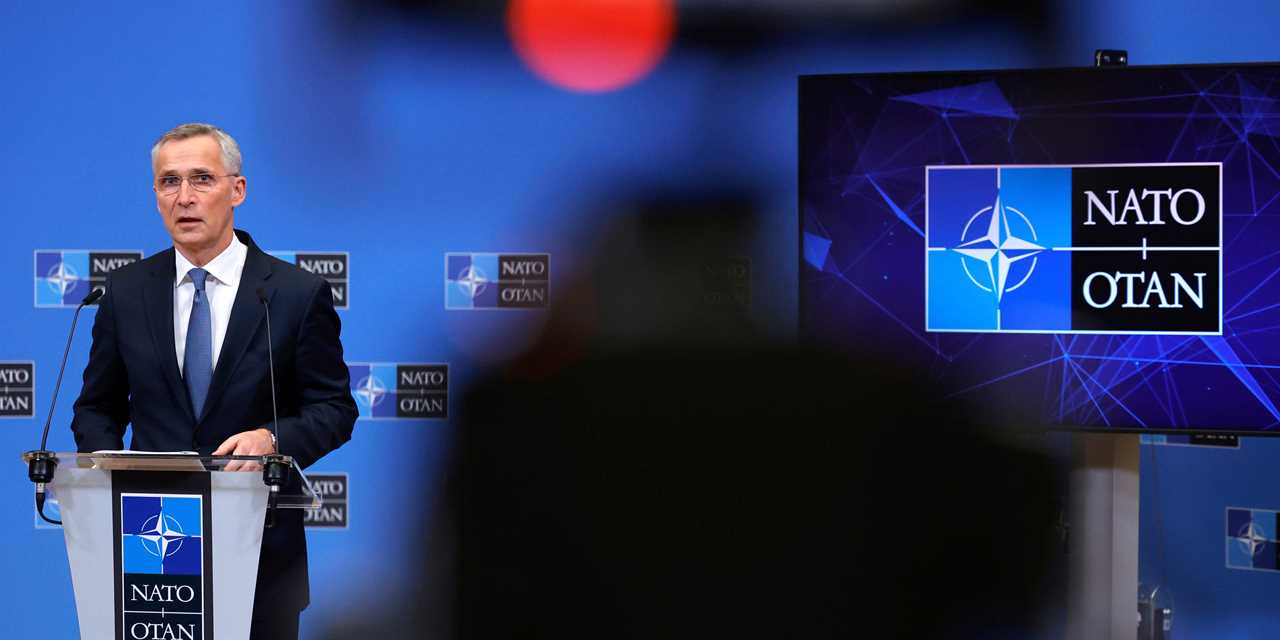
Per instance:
x=294, y=495
x=234, y=511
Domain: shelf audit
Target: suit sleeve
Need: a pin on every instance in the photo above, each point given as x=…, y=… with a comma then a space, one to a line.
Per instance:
x=327, y=413
x=102, y=410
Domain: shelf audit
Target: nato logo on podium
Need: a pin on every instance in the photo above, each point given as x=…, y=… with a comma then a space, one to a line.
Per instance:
x=162, y=565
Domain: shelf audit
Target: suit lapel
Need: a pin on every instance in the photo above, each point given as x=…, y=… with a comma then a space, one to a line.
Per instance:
x=158, y=301
x=246, y=314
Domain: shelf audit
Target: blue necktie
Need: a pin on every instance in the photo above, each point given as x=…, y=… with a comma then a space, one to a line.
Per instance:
x=197, y=360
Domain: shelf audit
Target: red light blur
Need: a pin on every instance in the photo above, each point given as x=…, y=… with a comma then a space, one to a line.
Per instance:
x=591, y=45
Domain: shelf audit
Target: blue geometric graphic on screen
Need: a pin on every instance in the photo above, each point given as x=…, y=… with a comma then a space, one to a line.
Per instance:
x=815, y=250
x=1257, y=110
x=893, y=206
x=61, y=278
x=984, y=249
x=1231, y=359
x=983, y=98
x=161, y=534
x=374, y=388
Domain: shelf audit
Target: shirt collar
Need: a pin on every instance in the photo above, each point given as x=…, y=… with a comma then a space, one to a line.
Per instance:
x=225, y=268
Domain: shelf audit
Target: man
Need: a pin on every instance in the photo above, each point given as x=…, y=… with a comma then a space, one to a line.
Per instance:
x=180, y=351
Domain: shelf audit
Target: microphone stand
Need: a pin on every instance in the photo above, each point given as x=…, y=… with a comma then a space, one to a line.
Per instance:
x=41, y=463
x=275, y=471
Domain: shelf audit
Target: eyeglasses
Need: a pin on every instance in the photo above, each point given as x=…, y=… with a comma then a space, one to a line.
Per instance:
x=199, y=182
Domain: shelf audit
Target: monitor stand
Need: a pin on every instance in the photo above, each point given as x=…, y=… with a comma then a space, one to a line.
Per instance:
x=1102, y=590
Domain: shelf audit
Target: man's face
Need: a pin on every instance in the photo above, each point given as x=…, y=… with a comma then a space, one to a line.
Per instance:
x=198, y=221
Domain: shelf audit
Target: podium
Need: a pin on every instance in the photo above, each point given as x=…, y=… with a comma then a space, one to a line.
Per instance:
x=166, y=545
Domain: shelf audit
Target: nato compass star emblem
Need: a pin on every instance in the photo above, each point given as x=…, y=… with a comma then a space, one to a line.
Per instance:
x=161, y=535
x=371, y=390
x=1251, y=538
x=471, y=281
x=998, y=249
x=62, y=278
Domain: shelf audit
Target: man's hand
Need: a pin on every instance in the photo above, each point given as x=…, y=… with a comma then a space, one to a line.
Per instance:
x=246, y=443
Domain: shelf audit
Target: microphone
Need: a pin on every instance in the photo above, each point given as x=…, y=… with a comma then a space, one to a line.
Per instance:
x=41, y=464
x=275, y=472
x=271, y=368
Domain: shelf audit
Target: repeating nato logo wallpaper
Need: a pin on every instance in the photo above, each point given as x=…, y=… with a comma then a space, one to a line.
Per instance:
x=1062, y=248
x=470, y=281
x=64, y=278
x=333, y=489
x=17, y=389
x=496, y=281
x=389, y=390
x=333, y=266
x=1251, y=539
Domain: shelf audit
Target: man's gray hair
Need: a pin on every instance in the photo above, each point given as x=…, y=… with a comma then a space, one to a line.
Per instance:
x=230, y=150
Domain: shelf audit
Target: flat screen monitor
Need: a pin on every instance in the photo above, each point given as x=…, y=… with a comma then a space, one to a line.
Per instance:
x=1092, y=248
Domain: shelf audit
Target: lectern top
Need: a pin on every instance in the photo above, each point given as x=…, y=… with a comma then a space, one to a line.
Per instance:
x=292, y=496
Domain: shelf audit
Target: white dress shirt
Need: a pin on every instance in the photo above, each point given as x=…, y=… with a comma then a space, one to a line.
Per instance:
x=220, y=286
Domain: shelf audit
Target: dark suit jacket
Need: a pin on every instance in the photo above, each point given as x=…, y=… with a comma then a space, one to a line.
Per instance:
x=132, y=378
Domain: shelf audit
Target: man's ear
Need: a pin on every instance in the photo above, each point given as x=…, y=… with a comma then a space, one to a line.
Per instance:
x=239, y=189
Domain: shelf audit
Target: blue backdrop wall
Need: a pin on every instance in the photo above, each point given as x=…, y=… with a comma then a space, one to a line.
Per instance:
x=398, y=142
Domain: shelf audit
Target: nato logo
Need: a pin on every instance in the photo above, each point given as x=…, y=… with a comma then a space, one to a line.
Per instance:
x=496, y=280
x=17, y=389
x=1133, y=249
x=64, y=278
x=332, y=489
x=1251, y=539
x=333, y=266
x=162, y=562
x=387, y=390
